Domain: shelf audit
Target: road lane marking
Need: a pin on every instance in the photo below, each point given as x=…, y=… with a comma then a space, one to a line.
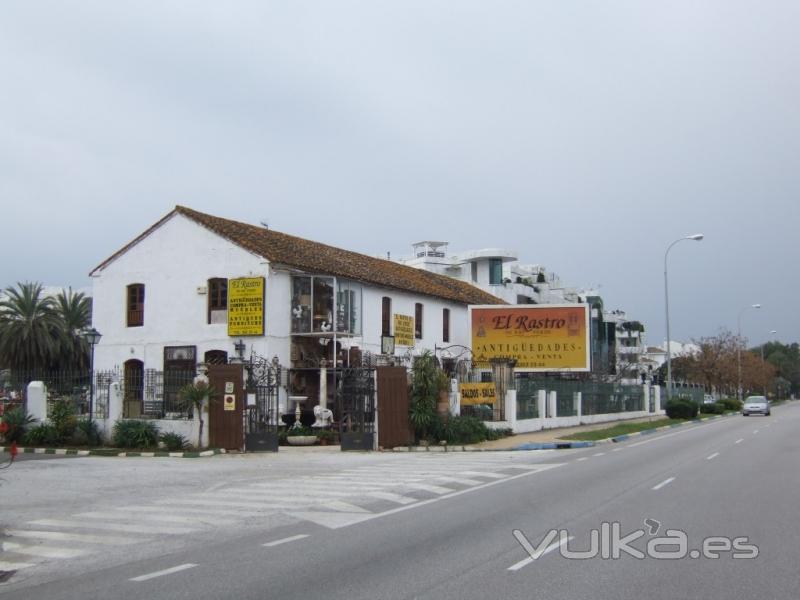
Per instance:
x=682, y=431
x=6, y=565
x=294, y=538
x=617, y=449
x=41, y=551
x=713, y=456
x=397, y=498
x=739, y=441
x=73, y=537
x=583, y=458
x=126, y=528
x=177, y=569
x=663, y=483
x=599, y=454
x=755, y=431
x=535, y=554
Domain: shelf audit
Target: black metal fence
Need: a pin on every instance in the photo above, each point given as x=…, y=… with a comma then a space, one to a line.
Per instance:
x=152, y=394
x=72, y=387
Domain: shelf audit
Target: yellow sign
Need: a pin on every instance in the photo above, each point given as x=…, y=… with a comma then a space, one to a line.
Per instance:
x=477, y=393
x=545, y=337
x=246, y=306
x=403, y=330
x=230, y=402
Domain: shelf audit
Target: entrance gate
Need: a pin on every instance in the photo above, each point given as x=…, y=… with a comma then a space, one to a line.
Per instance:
x=262, y=418
x=355, y=402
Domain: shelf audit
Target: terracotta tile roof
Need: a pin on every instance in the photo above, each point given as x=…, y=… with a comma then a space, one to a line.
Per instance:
x=315, y=257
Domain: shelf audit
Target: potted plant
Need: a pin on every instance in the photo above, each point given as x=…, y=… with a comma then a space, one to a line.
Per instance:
x=300, y=435
x=325, y=436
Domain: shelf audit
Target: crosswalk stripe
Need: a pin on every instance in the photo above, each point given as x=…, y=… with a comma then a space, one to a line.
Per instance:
x=42, y=551
x=482, y=474
x=158, y=517
x=73, y=537
x=233, y=503
x=200, y=512
x=393, y=497
x=6, y=565
x=111, y=526
x=434, y=489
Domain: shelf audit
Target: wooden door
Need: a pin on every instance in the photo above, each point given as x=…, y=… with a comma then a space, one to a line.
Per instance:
x=226, y=409
x=394, y=427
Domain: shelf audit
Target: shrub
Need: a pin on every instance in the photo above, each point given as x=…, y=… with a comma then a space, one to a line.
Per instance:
x=730, y=403
x=496, y=434
x=325, y=434
x=86, y=433
x=44, y=434
x=18, y=422
x=302, y=430
x=174, y=442
x=712, y=409
x=135, y=434
x=62, y=418
x=465, y=430
x=681, y=409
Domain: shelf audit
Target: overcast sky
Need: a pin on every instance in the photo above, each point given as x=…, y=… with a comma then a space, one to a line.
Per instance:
x=587, y=136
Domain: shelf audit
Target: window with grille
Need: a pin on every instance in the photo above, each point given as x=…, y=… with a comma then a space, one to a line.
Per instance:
x=418, y=321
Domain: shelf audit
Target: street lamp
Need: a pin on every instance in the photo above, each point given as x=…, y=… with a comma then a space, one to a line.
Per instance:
x=772, y=332
x=739, y=348
x=696, y=237
x=92, y=337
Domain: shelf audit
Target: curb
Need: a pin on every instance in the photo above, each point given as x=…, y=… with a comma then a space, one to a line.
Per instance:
x=622, y=438
x=108, y=454
x=523, y=447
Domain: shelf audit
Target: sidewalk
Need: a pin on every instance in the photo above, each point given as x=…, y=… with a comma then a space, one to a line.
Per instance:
x=551, y=435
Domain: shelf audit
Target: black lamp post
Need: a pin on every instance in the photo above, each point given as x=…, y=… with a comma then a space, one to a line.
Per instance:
x=92, y=337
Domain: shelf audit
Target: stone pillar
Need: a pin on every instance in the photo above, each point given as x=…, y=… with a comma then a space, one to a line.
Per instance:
x=37, y=400
x=578, y=399
x=657, y=392
x=646, y=398
x=323, y=387
x=541, y=404
x=511, y=408
x=552, y=403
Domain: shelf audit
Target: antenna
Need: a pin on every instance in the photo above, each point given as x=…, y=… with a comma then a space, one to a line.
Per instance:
x=264, y=224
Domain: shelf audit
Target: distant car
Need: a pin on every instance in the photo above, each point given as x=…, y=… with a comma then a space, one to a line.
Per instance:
x=755, y=405
x=708, y=399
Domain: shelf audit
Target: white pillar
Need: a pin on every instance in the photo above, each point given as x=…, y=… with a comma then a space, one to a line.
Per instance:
x=541, y=403
x=323, y=387
x=37, y=400
x=579, y=405
x=552, y=397
x=114, y=402
x=511, y=408
x=646, y=398
x=657, y=392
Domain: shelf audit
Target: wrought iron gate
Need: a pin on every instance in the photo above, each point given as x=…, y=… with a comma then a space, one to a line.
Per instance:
x=355, y=403
x=262, y=418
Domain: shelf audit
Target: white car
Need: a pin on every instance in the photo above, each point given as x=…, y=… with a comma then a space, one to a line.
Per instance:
x=755, y=405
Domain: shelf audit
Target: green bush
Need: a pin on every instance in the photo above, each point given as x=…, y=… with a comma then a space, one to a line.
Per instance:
x=712, y=409
x=302, y=430
x=681, y=409
x=133, y=433
x=496, y=434
x=174, y=442
x=86, y=433
x=18, y=422
x=44, y=434
x=465, y=430
x=62, y=417
x=730, y=403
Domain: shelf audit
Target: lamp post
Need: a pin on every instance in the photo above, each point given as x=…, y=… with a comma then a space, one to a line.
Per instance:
x=739, y=348
x=696, y=237
x=772, y=332
x=92, y=337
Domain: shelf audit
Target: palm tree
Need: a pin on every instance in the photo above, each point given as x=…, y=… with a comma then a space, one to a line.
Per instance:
x=74, y=316
x=29, y=337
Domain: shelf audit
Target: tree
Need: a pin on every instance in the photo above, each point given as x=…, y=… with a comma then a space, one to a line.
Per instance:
x=426, y=381
x=29, y=329
x=74, y=312
x=196, y=395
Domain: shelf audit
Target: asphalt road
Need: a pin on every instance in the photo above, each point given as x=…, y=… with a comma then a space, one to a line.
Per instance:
x=734, y=477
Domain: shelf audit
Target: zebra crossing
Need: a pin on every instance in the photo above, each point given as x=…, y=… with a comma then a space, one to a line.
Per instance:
x=336, y=499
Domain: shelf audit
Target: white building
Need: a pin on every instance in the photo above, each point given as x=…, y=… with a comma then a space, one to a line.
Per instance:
x=161, y=303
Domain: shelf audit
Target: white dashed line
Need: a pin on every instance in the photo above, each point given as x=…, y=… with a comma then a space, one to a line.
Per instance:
x=294, y=538
x=713, y=456
x=582, y=458
x=534, y=554
x=177, y=569
x=663, y=483
x=739, y=441
x=599, y=454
